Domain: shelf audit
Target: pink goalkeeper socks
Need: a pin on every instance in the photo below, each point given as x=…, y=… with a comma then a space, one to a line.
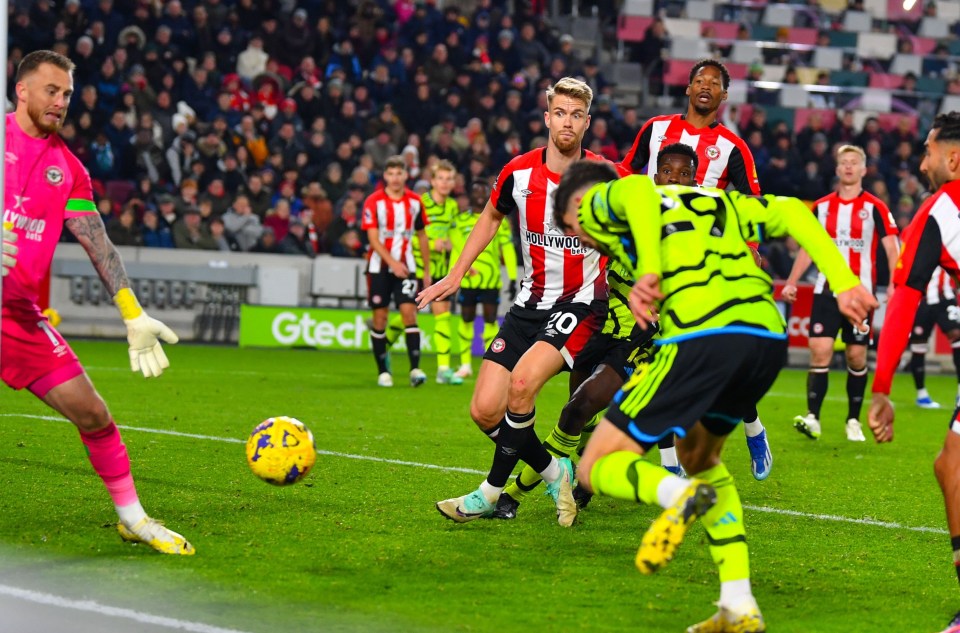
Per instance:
x=109, y=457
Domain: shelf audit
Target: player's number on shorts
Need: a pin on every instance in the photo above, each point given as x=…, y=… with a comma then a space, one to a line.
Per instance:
x=409, y=287
x=953, y=313
x=563, y=322
x=43, y=325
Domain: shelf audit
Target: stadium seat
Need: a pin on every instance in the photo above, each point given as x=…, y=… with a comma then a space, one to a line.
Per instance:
x=858, y=21
x=876, y=45
x=949, y=12
x=638, y=7
x=950, y=103
x=802, y=115
x=118, y=191
x=876, y=8
x=842, y=39
x=778, y=15
x=793, y=96
x=737, y=92
x=807, y=75
x=849, y=78
x=923, y=45
x=736, y=70
x=682, y=27
x=721, y=30
x=689, y=48
x=632, y=28
x=802, y=35
x=885, y=80
x=876, y=100
x=934, y=27
x=774, y=72
x=903, y=63
x=676, y=74
x=745, y=52
x=627, y=75
x=700, y=10
x=890, y=121
x=585, y=29
x=932, y=85
x=827, y=58
x=954, y=47
x=763, y=33
x=775, y=114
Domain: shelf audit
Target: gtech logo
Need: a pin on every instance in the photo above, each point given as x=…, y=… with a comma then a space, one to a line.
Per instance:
x=798, y=326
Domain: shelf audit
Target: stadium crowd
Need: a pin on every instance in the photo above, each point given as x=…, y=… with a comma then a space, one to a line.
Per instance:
x=261, y=125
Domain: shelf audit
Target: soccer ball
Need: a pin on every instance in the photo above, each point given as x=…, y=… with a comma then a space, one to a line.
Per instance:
x=280, y=451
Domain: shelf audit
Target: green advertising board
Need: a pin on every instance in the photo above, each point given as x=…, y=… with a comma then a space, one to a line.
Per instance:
x=320, y=328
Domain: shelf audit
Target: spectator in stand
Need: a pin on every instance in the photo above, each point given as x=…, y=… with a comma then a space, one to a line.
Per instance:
x=190, y=232
x=315, y=200
x=343, y=237
x=253, y=60
x=650, y=53
x=279, y=219
x=242, y=225
x=218, y=233
x=123, y=230
x=295, y=241
x=267, y=243
x=155, y=233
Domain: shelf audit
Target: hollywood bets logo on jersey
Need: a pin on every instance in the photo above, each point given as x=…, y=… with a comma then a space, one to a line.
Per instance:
x=30, y=228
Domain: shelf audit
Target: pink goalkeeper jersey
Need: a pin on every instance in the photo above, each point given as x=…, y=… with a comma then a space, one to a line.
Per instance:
x=44, y=185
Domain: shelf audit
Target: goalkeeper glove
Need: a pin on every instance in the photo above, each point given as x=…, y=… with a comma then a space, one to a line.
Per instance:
x=9, y=248
x=146, y=354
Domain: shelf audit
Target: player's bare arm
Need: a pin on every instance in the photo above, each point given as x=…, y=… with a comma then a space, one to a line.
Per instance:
x=800, y=264
x=92, y=235
x=425, y=254
x=891, y=246
x=483, y=232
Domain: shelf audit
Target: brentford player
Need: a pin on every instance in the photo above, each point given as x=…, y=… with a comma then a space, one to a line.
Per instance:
x=722, y=159
x=46, y=190
x=858, y=222
x=932, y=239
x=561, y=303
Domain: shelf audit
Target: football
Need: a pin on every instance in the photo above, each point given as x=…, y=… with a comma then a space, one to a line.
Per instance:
x=280, y=451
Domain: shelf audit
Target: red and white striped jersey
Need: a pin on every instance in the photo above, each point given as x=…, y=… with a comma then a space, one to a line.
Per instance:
x=856, y=227
x=396, y=220
x=940, y=287
x=723, y=157
x=557, y=268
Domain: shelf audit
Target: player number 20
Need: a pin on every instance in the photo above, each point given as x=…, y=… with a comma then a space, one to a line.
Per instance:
x=564, y=322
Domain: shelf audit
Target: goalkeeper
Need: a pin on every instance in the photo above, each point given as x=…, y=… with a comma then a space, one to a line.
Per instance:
x=722, y=345
x=39, y=203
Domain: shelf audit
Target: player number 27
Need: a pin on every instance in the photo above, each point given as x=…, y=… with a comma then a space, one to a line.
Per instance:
x=409, y=287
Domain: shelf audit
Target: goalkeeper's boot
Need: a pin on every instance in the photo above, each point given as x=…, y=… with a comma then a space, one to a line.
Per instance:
x=761, y=459
x=445, y=376
x=954, y=626
x=417, y=377
x=507, y=507
x=926, y=402
x=581, y=496
x=385, y=379
x=465, y=371
x=154, y=534
x=665, y=534
x=743, y=618
x=561, y=490
x=466, y=508
x=807, y=424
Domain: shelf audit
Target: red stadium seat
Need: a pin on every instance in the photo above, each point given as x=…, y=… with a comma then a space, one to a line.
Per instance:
x=802, y=115
x=721, y=30
x=883, y=80
x=890, y=120
x=803, y=36
x=632, y=28
x=119, y=191
x=676, y=73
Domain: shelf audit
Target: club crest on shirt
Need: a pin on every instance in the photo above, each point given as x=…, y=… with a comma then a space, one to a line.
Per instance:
x=712, y=152
x=54, y=175
x=864, y=214
x=498, y=346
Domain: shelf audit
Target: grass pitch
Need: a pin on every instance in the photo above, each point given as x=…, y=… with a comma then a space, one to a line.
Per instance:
x=843, y=536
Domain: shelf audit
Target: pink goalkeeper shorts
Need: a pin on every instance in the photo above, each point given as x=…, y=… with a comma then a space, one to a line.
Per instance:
x=33, y=355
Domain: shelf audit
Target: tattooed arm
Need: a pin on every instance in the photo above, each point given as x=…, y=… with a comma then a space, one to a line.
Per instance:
x=92, y=235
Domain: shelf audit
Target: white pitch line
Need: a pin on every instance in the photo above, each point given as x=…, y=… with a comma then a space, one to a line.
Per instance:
x=398, y=462
x=95, y=607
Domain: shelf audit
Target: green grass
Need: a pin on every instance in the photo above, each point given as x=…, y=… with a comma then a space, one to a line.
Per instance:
x=358, y=546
